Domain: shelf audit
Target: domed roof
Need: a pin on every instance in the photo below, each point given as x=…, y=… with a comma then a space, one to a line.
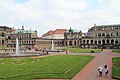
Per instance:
x=22, y=31
x=75, y=30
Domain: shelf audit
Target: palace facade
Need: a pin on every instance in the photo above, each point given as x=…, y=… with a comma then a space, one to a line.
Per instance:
x=5, y=34
x=98, y=36
x=102, y=36
x=72, y=37
x=27, y=38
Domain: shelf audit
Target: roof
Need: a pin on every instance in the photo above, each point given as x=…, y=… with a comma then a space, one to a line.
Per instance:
x=48, y=33
x=113, y=25
x=75, y=30
x=57, y=31
x=60, y=31
x=22, y=31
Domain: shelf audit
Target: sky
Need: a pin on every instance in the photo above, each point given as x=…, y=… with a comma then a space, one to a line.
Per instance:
x=45, y=15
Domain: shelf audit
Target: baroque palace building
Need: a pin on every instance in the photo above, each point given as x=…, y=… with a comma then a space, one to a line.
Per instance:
x=5, y=34
x=72, y=37
x=27, y=38
x=102, y=36
x=98, y=36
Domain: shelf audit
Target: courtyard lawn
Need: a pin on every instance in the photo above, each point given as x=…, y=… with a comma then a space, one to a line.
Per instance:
x=79, y=50
x=116, y=68
x=61, y=66
x=116, y=50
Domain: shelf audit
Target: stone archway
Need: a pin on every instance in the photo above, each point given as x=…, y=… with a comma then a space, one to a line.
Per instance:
x=112, y=41
x=70, y=43
x=108, y=42
x=103, y=41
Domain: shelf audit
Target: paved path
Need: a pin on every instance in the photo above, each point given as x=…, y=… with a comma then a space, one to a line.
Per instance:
x=90, y=71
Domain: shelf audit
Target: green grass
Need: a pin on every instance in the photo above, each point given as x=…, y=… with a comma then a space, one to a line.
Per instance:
x=79, y=50
x=62, y=66
x=116, y=68
x=116, y=50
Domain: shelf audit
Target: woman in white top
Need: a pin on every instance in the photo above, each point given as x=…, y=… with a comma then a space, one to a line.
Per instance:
x=100, y=69
x=106, y=71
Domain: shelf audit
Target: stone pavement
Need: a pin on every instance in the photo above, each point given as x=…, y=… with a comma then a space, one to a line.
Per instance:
x=90, y=71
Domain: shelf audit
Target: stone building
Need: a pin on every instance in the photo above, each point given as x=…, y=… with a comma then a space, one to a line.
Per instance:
x=102, y=36
x=72, y=37
x=27, y=38
x=98, y=36
x=5, y=34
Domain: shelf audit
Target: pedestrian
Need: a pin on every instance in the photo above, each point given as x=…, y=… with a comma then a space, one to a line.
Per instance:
x=100, y=70
x=106, y=71
x=65, y=51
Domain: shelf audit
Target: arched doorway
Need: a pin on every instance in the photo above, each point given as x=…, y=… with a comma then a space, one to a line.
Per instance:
x=116, y=41
x=103, y=41
x=74, y=43
x=70, y=43
x=108, y=42
x=112, y=41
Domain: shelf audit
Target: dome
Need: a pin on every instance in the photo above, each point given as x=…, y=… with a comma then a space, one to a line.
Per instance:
x=22, y=31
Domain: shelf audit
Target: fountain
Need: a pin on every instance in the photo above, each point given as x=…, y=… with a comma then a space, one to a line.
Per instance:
x=52, y=45
x=17, y=47
x=18, y=52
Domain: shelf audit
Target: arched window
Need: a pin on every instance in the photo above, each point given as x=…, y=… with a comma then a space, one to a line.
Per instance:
x=87, y=41
x=103, y=41
x=83, y=41
x=95, y=42
x=116, y=41
x=3, y=34
x=66, y=43
x=112, y=41
x=108, y=41
x=70, y=43
x=99, y=42
x=91, y=41
x=2, y=41
x=74, y=43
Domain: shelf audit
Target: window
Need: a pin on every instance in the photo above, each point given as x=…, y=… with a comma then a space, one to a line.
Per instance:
x=99, y=34
x=116, y=41
x=103, y=34
x=91, y=41
x=112, y=41
x=83, y=41
x=95, y=42
x=117, y=33
x=87, y=41
x=99, y=42
x=108, y=41
x=74, y=43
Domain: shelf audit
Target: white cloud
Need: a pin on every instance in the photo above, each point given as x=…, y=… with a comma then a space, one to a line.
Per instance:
x=68, y=4
x=45, y=15
x=111, y=5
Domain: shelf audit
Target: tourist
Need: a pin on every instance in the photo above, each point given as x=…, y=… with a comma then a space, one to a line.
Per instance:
x=66, y=51
x=100, y=69
x=106, y=71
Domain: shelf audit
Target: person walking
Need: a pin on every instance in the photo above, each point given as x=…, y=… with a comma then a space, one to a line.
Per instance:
x=100, y=69
x=106, y=71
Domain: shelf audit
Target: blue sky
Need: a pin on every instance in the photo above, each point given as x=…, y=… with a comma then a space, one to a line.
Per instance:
x=45, y=15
